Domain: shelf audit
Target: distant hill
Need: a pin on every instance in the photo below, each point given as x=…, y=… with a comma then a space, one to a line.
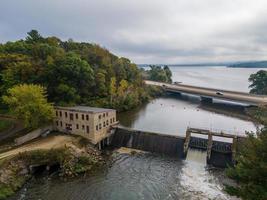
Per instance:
x=252, y=64
x=241, y=64
x=188, y=65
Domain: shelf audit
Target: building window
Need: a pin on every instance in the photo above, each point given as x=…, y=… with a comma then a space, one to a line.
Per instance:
x=82, y=116
x=113, y=119
x=96, y=127
x=100, y=126
x=56, y=113
x=107, y=114
x=60, y=113
x=61, y=124
x=110, y=121
x=107, y=122
x=104, y=115
x=68, y=127
x=71, y=116
x=57, y=123
x=77, y=116
x=104, y=124
x=77, y=126
x=83, y=127
x=87, y=117
x=66, y=114
x=87, y=129
x=99, y=116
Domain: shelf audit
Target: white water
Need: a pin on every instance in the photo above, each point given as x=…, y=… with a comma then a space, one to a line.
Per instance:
x=197, y=181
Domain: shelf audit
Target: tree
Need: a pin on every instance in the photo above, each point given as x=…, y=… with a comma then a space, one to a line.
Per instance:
x=258, y=82
x=29, y=103
x=100, y=79
x=112, y=89
x=122, y=88
x=157, y=73
x=33, y=37
x=69, y=72
x=251, y=169
x=168, y=73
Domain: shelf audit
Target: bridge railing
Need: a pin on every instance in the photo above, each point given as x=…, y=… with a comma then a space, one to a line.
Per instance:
x=233, y=132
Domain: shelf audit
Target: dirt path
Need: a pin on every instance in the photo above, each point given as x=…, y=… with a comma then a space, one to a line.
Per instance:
x=44, y=143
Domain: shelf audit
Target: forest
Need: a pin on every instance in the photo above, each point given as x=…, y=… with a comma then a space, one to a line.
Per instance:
x=72, y=72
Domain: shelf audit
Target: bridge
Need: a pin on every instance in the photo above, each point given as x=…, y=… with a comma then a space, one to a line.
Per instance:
x=207, y=94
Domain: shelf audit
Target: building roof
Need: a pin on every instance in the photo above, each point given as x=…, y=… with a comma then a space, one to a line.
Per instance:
x=85, y=109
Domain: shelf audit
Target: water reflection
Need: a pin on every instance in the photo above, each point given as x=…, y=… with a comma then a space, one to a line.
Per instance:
x=172, y=114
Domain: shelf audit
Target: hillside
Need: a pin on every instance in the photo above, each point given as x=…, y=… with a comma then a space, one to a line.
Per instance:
x=255, y=64
x=73, y=72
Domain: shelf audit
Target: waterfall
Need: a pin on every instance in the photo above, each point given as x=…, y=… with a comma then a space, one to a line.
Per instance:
x=196, y=155
x=147, y=141
x=130, y=142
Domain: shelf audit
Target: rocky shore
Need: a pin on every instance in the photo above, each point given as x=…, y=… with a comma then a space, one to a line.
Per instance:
x=69, y=161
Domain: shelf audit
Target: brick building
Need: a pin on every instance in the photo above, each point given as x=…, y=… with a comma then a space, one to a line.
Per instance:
x=89, y=122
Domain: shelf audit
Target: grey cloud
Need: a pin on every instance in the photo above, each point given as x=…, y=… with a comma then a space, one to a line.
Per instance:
x=151, y=31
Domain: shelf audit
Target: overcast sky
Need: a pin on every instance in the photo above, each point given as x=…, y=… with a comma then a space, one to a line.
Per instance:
x=148, y=31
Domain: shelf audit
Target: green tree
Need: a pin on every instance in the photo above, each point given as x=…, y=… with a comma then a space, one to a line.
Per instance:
x=100, y=79
x=34, y=36
x=72, y=72
x=29, y=103
x=258, y=82
x=168, y=73
x=157, y=73
x=112, y=89
x=251, y=169
x=122, y=88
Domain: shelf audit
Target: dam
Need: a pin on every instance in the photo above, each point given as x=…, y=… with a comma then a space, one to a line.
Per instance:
x=219, y=153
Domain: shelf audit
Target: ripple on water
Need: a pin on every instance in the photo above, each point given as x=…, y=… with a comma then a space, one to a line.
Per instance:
x=140, y=176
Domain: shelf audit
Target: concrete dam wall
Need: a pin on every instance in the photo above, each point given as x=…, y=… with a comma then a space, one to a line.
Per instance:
x=221, y=153
x=147, y=141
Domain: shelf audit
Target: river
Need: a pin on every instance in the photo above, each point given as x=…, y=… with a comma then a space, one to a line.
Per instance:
x=172, y=114
x=150, y=176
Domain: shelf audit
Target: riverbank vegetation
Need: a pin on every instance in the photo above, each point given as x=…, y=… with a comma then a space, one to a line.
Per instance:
x=258, y=114
x=258, y=82
x=72, y=72
x=158, y=73
x=250, y=172
x=29, y=103
x=71, y=161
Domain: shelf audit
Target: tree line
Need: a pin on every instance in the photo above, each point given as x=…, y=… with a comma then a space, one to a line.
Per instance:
x=72, y=72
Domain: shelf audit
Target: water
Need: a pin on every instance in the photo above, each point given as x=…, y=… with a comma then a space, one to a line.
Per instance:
x=235, y=79
x=173, y=114
x=134, y=177
x=150, y=176
x=215, y=77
